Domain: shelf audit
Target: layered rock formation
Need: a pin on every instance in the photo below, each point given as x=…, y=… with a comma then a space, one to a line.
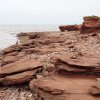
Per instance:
x=69, y=27
x=58, y=87
x=53, y=65
x=90, y=24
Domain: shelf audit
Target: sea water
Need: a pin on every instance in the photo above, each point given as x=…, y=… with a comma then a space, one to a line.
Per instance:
x=8, y=32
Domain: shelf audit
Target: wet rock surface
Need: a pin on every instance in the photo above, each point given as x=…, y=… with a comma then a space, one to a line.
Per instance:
x=53, y=65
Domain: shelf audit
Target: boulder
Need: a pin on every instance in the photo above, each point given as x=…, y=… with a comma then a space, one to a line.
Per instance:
x=91, y=24
x=50, y=68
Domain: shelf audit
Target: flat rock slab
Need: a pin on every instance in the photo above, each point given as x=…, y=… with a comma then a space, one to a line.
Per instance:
x=20, y=66
x=64, y=87
x=80, y=61
x=18, y=78
x=79, y=65
x=10, y=59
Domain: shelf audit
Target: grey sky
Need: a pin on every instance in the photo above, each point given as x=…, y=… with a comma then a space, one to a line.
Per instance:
x=47, y=11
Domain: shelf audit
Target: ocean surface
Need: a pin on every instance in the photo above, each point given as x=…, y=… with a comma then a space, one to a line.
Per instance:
x=8, y=32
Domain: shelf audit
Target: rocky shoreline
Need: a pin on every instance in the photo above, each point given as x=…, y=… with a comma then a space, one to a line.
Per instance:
x=53, y=65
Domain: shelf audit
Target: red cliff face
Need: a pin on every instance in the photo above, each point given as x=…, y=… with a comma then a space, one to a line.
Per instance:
x=91, y=24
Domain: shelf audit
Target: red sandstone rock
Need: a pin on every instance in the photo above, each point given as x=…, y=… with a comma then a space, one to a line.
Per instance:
x=95, y=88
x=10, y=59
x=12, y=53
x=59, y=87
x=69, y=27
x=77, y=58
x=65, y=64
x=20, y=66
x=11, y=49
x=18, y=78
x=91, y=24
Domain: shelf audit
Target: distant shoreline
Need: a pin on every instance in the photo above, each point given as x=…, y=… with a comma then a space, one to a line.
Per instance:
x=8, y=32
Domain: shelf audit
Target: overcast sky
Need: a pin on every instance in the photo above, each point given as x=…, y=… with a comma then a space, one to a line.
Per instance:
x=47, y=11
